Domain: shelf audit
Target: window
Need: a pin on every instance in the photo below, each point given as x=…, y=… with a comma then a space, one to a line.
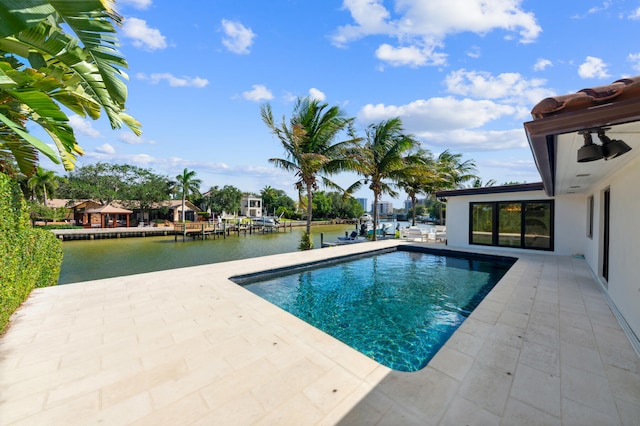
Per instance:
x=590, y=217
x=520, y=224
x=482, y=223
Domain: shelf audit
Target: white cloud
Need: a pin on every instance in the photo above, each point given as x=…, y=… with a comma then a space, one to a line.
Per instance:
x=82, y=126
x=412, y=56
x=635, y=15
x=474, y=52
x=593, y=68
x=138, y=4
x=238, y=37
x=438, y=114
x=142, y=35
x=421, y=26
x=542, y=64
x=476, y=140
x=509, y=87
x=258, y=94
x=634, y=58
x=131, y=139
x=174, y=81
x=317, y=94
x=106, y=149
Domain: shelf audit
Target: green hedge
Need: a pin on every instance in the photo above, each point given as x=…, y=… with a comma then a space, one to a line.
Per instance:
x=29, y=257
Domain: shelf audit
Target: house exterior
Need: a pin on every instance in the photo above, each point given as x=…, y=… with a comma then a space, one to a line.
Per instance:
x=87, y=212
x=251, y=206
x=588, y=203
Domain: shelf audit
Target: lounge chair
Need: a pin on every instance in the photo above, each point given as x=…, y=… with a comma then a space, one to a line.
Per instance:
x=351, y=237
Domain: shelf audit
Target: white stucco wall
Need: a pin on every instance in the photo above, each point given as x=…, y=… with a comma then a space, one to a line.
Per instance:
x=571, y=238
x=624, y=277
x=570, y=220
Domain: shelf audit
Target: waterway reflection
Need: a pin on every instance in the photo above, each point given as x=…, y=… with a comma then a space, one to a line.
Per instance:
x=95, y=259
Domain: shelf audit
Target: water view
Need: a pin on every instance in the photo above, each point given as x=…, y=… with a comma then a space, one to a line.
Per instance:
x=86, y=260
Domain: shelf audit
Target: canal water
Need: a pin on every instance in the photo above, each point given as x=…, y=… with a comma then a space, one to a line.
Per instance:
x=86, y=260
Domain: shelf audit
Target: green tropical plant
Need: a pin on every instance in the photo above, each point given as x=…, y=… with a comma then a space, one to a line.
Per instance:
x=188, y=184
x=81, y=70
x=452, y=173
x=43, y=182
x=417, y=179
x=383, y=160
x=309, y=141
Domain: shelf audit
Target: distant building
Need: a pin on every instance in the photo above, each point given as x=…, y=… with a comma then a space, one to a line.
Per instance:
x=251, y=206
x=363, y=203
x=407, y=204
x=385, y=207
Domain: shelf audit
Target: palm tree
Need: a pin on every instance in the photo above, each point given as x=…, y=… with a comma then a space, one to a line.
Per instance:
x=382, y=160
x=73, y=60
x=187, y=184
x=268, y=195
x=453, y=172
x=43, y=182
x=418, y=179
x=478, y=183
x=310, y=148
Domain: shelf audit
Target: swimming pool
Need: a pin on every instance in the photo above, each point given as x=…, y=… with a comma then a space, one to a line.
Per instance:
x=398, y=307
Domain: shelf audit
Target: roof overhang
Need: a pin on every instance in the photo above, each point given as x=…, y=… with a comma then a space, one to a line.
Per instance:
x=502, y=189
x=554, y=139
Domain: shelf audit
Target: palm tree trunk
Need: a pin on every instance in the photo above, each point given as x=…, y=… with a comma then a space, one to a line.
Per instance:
x=309, y=207
x=375, y=215
x=413, y=207
x=183, y=200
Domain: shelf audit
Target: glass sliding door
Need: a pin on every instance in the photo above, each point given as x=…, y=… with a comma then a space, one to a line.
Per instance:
x=537, y=225
x=520, y=224
x=509, y=224
x=482, y=223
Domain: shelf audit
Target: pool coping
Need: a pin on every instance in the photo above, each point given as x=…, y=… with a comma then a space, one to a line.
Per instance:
x=190, y=346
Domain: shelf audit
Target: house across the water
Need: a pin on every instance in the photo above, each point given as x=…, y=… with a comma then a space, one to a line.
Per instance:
x=586, y=146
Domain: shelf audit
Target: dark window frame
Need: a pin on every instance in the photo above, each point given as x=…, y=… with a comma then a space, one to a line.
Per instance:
x=495, y=225
x=590, y=216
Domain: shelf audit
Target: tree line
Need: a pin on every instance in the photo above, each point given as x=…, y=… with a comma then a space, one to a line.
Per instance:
x=320, y=141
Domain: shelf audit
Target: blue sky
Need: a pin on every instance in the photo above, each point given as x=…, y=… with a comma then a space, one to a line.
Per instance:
x=461, y=74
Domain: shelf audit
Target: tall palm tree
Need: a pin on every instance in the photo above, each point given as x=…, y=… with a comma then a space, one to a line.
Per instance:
x=268, y=195
x=188, y=184
x=73, y=60
x=311, y=150
x=453, y=172
x=382, y=160
x=418, y=178
x=43, y=182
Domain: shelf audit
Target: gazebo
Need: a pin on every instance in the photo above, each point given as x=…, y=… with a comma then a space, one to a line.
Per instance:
x=105, y=212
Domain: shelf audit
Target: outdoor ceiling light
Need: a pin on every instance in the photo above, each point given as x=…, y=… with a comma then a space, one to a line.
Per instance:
x=612, y=148
x=589, y=151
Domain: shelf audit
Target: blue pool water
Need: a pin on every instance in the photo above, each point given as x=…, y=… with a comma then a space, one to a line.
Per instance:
x=398, y=308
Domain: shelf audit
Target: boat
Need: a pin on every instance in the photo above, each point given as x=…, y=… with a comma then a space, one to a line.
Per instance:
x=266, y=221
x=382, y=229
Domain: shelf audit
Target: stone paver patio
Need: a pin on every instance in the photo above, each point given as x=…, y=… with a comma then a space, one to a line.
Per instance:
x=188, y=346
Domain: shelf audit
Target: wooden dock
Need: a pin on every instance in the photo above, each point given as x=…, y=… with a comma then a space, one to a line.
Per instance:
x=102, y=233
x=195, y=230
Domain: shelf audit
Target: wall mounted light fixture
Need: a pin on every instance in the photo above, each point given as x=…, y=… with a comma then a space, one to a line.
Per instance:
x=589, y=151
x=610, y=148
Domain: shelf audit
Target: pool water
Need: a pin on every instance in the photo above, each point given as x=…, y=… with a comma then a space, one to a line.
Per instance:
x=398, y=308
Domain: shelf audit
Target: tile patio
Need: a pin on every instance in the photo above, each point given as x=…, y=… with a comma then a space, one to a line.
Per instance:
x=187, y=346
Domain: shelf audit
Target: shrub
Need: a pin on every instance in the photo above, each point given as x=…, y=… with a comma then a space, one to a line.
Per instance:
x=306, y=242
x=29, y=257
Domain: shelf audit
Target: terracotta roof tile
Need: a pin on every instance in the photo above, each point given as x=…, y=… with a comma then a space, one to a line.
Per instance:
x=586, y=98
